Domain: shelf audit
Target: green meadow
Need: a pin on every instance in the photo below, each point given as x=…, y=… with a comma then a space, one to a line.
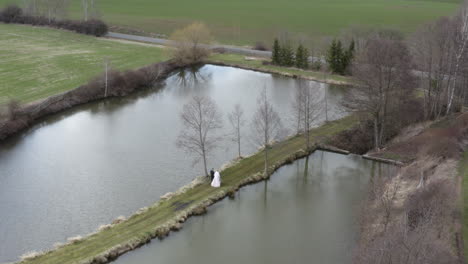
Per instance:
x=38, y=62
x=248, y=21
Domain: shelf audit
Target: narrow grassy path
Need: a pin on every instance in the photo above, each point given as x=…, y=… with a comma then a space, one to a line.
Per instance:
x=463, y=173
x=141, y=226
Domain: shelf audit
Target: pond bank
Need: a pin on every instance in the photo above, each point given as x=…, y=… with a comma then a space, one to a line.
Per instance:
x=256, y=64
x=169, y=214
x=125, y=84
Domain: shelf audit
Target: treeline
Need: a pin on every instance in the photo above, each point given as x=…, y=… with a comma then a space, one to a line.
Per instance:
x=17, y=15
x=284, y=55
x=338, y=58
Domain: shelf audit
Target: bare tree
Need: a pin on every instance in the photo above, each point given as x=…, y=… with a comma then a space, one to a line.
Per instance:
x=236, y=118
x=200, y=117
x=461, y=42
x=106, y=77
x=51, y=9
x=191, y=43
x=307, y=105
x=90, y=9
x=432, y=47
x=383, y=70
x=266, y=124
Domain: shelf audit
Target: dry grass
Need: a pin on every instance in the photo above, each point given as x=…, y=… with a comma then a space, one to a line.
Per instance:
x=419, y=222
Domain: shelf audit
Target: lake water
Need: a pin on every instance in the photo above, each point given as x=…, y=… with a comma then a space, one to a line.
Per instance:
x=301, y=215
x=85, y=167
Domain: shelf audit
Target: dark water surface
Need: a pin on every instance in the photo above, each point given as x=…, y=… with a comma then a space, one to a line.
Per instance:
x=85, y=167
x=301, y=215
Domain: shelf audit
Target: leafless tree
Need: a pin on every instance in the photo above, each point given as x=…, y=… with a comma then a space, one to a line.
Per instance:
x=307, y=105
x=266, y=124
x=461, y=43
x=90, y=9
x=51, y=9
x=432, y=47
x=383, y=70
x=201, y=118
x=191, y=43
x=237, y=120
x=106, y=75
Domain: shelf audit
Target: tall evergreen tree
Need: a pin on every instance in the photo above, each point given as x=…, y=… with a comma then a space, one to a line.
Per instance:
x=300, y=56
x=332, y=56
x=340, y=58
x=287, y=56
x=276, y=53
x=348, y=56
x=305, y=62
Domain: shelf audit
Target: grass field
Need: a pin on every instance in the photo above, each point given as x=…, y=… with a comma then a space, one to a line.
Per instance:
x=247, y=21
x=39, y=62
x=139, y=226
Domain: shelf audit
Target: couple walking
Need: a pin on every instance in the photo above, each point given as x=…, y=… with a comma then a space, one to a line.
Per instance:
x=215, y=179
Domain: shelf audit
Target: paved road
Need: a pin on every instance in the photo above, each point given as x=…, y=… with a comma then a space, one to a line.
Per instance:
x=165, y=42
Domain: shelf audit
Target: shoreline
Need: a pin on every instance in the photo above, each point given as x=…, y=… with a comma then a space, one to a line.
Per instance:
x=172, y=210
x=278, y=72
x=31, y=113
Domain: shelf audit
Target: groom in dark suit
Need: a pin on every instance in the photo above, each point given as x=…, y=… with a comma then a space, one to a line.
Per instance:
x=211, y=175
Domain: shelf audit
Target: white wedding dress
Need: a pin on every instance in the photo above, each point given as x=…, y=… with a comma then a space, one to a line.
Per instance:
x=216, y=180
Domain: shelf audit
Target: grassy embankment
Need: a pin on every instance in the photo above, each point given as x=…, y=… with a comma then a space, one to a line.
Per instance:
x=256, y=64
x=38, y=62
x=246, y=21
x=142, y=225
x=463, y=173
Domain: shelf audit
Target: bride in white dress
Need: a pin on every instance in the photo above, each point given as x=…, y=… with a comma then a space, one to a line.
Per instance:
x=216, y=180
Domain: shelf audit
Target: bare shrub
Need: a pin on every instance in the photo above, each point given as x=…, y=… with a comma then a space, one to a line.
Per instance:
x=14, y=14
x=11, y=14
x=260, y=46
x=191, y=43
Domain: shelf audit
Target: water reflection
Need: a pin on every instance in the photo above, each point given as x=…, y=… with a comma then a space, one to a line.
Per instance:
x=84, y=167
x=305, y=213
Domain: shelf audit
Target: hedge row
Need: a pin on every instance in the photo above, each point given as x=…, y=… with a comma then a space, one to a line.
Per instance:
x=14, y=14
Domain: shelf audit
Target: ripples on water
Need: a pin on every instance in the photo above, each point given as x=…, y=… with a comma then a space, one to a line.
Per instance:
x=85, y=167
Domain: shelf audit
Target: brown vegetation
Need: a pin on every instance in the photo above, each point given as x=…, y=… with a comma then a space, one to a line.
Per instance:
x=120, y=84
x=14, y=14
x=411, y=217
x=191, y=43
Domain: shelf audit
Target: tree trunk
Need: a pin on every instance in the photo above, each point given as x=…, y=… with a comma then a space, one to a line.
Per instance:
x=204, y=163
x=266, y=160
x=376, y=134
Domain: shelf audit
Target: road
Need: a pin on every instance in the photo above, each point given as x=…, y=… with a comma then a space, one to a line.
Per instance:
x=166, y=42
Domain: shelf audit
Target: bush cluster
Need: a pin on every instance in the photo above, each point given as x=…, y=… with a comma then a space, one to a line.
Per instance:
x=338, y=58
x=284, y=55
x=14, y=14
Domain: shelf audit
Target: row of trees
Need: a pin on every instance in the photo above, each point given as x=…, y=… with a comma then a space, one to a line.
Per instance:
x=284, y=55
x=338, y=58
x=441, y=55
x=201, y=118
x=58, y=9
x=389, y=67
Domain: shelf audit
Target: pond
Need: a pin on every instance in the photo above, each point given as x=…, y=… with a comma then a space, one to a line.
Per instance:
x=85, y=167
x=301, y=215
